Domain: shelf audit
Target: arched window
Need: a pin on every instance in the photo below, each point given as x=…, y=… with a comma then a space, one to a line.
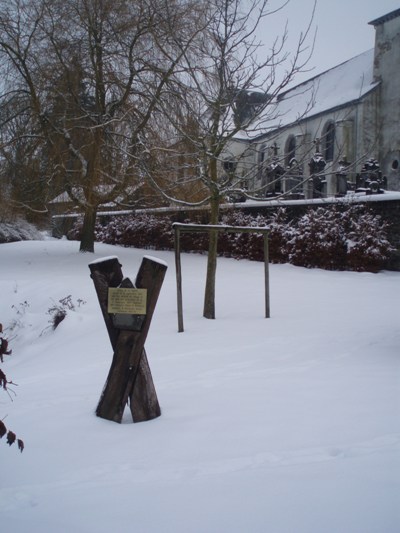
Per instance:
x=290, y=150
x=261, y=162
x=329, y=141
x=229, y=166
x=261, y=154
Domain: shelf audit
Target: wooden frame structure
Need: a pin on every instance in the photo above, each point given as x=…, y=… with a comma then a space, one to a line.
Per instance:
x=129, y=379
x=201, y=228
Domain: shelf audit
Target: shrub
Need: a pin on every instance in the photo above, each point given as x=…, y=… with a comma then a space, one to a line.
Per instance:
x=329, y=238
x=367, y=245
x=280, y=233
x=318, y=240
x=58, y=311
x=18, y=230
x=4, y=384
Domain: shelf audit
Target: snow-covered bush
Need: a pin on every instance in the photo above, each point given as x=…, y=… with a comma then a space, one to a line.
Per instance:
x=240, y=245
x=318, y=240
x=334, y=239
x=19, y=230
x=251, y=245
x=280, y=233
x=331, y=238
x=140, y=231
x=74, y=234
x=192, y=242
x=367, y=245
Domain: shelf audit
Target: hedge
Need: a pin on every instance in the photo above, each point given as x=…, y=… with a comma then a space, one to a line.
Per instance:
x=327, y=238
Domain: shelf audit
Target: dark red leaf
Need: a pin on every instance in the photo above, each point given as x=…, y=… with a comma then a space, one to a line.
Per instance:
x=21, y=445
x=4, y=347
x=3, y=429
x=11, y=436
x=3, y=380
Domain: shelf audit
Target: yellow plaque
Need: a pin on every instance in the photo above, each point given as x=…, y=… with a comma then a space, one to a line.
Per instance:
x=127, y=301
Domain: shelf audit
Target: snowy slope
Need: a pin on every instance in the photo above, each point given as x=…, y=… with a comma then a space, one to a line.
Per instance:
x=285, y=425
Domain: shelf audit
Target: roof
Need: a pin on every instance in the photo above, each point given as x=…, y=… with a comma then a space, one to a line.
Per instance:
x=385, y=18
x=337, y=87
x=64, y=197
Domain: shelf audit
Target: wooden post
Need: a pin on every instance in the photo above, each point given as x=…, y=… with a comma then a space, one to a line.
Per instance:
x=178, y=277
x=266, y=275
x=106, y=273
x=129, y=376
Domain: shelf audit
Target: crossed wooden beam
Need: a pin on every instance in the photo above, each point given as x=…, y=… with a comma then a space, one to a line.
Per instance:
x=129, y=379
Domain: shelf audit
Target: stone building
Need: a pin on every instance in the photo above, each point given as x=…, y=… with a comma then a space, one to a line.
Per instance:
x=326, y=128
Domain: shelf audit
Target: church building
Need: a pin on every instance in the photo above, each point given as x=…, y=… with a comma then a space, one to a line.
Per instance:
x=334, y=130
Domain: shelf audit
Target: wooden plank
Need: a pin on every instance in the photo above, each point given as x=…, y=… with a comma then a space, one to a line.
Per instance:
x=203, y=228
x=106, y=273
x=112, y=401
x=143, y=398
x=178, y=268
x=143, y=401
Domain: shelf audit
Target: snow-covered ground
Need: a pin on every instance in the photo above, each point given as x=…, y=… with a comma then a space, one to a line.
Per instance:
x=282, y=425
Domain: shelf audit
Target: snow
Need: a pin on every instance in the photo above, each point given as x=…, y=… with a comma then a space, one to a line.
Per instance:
x=156, y=260
x=103, y=259
x=281, y=425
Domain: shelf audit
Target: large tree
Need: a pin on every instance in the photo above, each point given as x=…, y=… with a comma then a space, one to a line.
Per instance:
x=230, y=88
x=90, y=74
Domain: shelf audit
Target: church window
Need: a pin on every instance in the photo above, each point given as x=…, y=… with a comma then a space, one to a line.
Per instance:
x=229, y=166
x=261, y=154
x=329, y=141
x=290, y=151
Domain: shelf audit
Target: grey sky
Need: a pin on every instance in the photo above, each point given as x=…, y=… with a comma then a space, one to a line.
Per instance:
x=342, y=28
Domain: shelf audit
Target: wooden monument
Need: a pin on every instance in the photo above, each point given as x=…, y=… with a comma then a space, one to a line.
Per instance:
x=127, y=310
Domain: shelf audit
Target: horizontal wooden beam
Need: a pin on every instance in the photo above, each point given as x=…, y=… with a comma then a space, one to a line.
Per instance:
x=202, y=228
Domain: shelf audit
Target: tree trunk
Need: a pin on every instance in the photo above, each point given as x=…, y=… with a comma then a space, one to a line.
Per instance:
x=209, y=296
x=87, y=236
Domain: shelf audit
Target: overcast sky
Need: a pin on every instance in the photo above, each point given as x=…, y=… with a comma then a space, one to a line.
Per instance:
x=342, y=28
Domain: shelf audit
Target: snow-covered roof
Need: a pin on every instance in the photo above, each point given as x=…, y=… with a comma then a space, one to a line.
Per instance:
x=64, y=197
x=334, y=88
x=61, y=198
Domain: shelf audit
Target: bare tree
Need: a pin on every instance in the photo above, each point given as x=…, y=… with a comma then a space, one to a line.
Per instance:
x=230, y=88
x=20, y=160
x=91, y=74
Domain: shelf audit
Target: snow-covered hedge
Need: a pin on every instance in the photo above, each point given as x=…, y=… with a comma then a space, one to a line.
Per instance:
x=20, y=230
x=328, y=238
